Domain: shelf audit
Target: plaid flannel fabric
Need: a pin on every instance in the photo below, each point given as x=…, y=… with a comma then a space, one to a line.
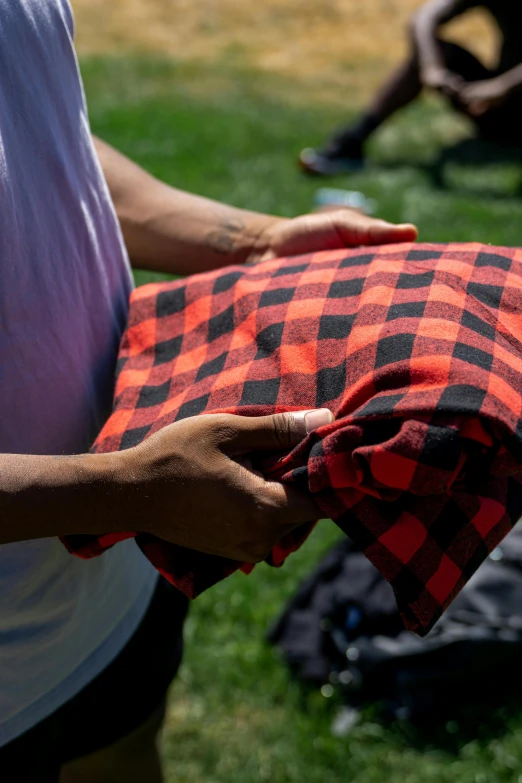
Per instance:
x=417, y=349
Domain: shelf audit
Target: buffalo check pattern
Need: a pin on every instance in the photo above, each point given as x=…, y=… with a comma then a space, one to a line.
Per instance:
x=417, y=349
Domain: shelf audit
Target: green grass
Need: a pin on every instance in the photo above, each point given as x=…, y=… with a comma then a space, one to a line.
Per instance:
x=235, y=715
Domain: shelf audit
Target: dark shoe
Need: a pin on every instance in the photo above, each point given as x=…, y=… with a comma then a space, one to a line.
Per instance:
x=329, y=164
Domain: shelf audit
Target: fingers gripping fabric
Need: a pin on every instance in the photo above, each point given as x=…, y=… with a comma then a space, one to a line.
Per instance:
x=417, y=349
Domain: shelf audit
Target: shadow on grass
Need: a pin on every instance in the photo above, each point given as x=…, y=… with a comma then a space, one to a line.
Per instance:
x=470, y=167
x=449, y=731
x=496, y=169
x=445, y=716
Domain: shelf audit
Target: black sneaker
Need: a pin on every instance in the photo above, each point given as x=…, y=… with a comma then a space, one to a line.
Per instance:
x=329, y=163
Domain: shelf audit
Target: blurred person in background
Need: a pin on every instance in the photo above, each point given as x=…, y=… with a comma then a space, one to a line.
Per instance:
x=89, y=648
x=491, y=99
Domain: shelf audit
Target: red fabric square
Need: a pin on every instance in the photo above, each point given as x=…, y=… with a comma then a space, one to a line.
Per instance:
x=405, y=538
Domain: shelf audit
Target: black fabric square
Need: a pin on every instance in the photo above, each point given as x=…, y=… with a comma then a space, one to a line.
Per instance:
x=472, y=355
x=475, y=560
x=407, y=586
x=515, y=441
x=260, y=392
x=447, y=525
x=170, y=302
x=490, y=295
x=213, y=367
x=290, y=270
x=352, y=526
x=226, y=281
x=513, y=499
x=393, y=349
x=192, y=407
x=493, y=259
x=343, y=288
x=276, y=297
x=477, y=325
x=335, y=327
x=383, y=405
x=168, y=350
x=221, y=324
x=406, y=310
x=269, y=340
x=461, y=399
x=442, y=447
x=300, y=478
x=421, y=280
x=153, y=395
x=362, y=260
x=133, y=437
x=423, y=255
x=331, y=383
x=399, y=378
x=120, y=364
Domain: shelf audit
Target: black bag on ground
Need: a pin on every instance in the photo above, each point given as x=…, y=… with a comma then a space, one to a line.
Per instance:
x=343, y=628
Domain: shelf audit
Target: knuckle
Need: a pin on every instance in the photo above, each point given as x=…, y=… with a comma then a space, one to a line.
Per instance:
x=285, y=429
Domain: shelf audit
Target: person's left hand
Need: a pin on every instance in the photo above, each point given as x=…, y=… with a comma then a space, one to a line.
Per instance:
x=480, y=97
x=329, y=230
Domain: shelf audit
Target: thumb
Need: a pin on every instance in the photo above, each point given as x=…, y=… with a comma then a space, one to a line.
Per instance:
x=380, y=232
x=279, y=432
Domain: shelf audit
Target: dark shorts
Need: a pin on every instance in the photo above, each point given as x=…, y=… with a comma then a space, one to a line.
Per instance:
x=115, y=703
x=501, y=124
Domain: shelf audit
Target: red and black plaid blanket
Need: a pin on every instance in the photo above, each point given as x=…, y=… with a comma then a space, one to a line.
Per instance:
x=417, y=349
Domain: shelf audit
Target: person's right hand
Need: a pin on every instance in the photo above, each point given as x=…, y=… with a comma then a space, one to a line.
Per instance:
x=192, y=483
x=443, y=80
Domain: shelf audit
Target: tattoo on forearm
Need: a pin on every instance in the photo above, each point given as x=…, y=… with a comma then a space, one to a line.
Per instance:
x=224, y=239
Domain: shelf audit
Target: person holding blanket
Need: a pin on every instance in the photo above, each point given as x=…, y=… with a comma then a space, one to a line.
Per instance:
x=86, y=655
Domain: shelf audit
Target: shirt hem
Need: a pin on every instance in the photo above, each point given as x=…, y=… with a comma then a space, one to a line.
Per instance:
x=93, y=665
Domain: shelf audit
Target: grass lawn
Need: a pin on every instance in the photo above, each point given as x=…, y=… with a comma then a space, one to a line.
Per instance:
x=235, y=716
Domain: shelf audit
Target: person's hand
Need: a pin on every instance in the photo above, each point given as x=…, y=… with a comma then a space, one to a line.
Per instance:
x=480, y=97
x=443, y=80
x=329, y=230
x=192, y=483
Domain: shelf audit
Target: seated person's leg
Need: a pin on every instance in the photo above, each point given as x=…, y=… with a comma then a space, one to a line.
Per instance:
x=344, y=151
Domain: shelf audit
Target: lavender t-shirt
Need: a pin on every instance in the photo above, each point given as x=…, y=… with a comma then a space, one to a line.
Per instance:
x=64, y=286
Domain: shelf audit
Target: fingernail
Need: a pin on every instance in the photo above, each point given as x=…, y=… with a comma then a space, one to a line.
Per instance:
x=315, y=418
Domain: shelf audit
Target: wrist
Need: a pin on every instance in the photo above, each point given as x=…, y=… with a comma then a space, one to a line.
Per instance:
x=259, y=241
x=433, y=74
x=245, y=237
x=82, y=493
x=100, y=489
x=42, y=496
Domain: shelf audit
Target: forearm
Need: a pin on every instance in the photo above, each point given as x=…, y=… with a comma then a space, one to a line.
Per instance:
x=426, y=24
x=430, y=53
x=171, y=231
x=52, y=496
x=512, y=80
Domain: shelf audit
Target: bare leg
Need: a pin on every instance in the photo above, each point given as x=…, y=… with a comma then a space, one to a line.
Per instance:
x=133, y=759
x=403, y=87
x=344, y=151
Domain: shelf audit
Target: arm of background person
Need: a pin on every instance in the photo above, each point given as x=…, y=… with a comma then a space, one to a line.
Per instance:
x=512, y=79
x=425, y=25
x=190, y=483
x=481, y=96
x=169, y=230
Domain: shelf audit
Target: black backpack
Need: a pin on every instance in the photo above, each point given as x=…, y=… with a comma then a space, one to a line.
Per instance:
x=342, y=630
